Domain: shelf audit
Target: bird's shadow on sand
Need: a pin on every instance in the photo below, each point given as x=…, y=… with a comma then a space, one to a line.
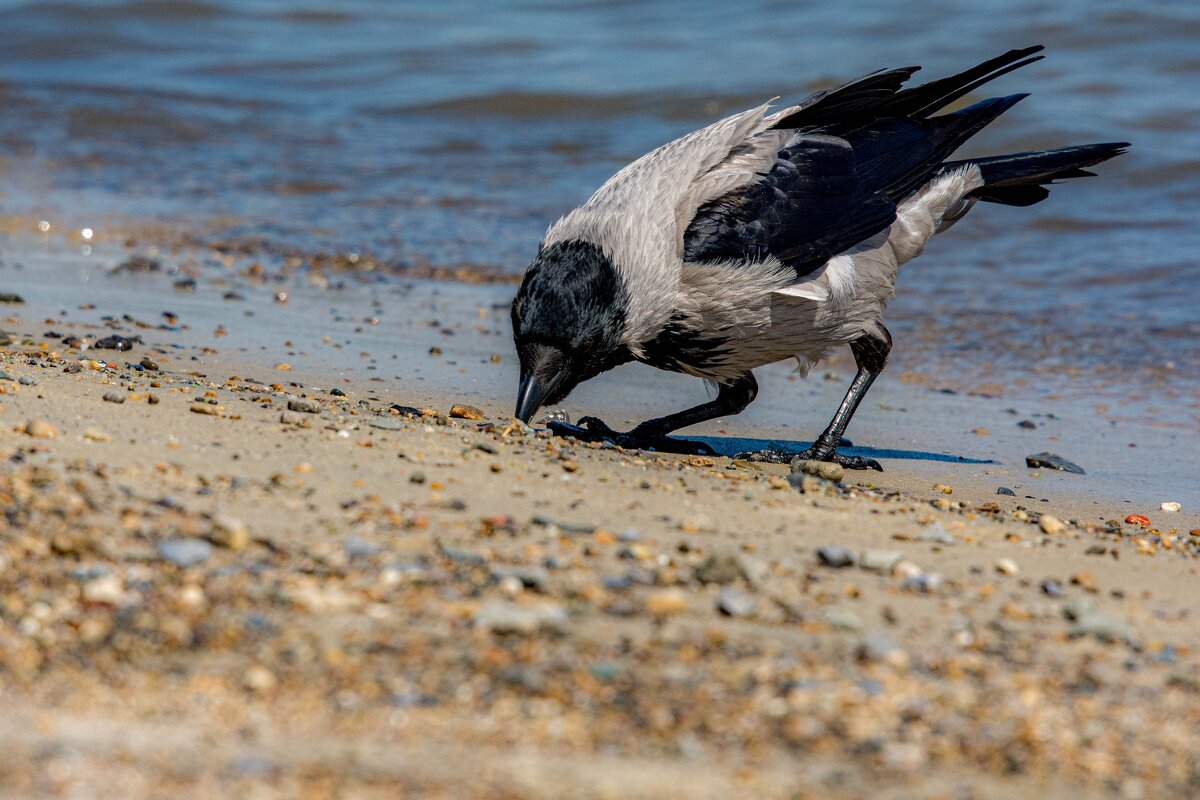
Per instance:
x=730, y=446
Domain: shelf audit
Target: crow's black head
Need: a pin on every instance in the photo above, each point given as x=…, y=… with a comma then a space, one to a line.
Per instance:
x=567, y=318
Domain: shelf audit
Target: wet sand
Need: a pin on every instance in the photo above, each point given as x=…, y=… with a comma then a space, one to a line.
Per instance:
x=221, y=576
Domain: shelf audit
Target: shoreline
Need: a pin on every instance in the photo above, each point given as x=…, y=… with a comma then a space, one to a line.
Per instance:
x=259, y=582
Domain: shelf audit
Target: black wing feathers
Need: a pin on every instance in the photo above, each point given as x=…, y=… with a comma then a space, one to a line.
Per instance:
x=866, y=145
x=1020, y=179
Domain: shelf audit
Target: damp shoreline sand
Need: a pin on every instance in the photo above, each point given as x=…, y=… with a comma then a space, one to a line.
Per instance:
x=252, y=581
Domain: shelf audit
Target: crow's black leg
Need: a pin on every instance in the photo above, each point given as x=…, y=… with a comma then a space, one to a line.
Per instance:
x=732, y=398
x=870, y=354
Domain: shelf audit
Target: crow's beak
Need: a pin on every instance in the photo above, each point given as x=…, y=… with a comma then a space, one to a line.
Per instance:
x=533, y=391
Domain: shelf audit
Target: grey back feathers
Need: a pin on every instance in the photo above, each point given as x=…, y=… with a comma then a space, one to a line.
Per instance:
x=768, y=235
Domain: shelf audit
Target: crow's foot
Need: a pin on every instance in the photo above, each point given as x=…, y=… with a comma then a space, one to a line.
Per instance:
x=591, y=429
x=817, y=452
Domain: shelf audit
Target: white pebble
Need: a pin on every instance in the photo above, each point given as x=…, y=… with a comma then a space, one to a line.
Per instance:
x=1171, y=506
x=1006, y=566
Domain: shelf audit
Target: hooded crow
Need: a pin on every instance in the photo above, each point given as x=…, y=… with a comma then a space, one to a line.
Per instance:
x=767, y=236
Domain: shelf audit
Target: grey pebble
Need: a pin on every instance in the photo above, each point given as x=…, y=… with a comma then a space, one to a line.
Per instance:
x=877, y=647
x=836, y=557
x=304, y=406
x=936, y=534
x=534, y=578
x=500, y=616
x=1052, y=461
x=924, y=583
x=719, y=568
x=879, y=560
x=1102, y=626
x=1051, y=588
x=733, y=602
x=843, y=619
x=24, y=381
x=114, y=397
x=1004, y=490
x=4, y=376
x=386, y=423
x=185, y=552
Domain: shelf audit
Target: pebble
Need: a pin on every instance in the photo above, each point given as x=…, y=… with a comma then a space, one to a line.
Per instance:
x=720, y=568
x=822, y=469
x=881, y=648
x=843, y=620
x=1171, y=506
x=304, y=406
x=809, y=484
x=259, y=679
x=936, y=534
x=465, y=412
x=106, y=589
x=185, y=552
x=40, y=429
x=114, y=397
x=1051, y=525
x=536, y=578
x=1051, y=588
x=230, y=533
x=25, y=381
x=115, y=342
x=1006, y=566
x=1004, y=490
x=387, y=423
x=1052, y=461
x=96, y=435
x=880, y=560
x=4, y=376
x=1102, y=626
x=666, y=602
x=836, y=557
x=503, y=616
x=733, y=602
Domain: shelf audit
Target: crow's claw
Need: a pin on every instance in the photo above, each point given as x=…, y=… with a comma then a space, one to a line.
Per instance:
x=591, y=429
x=774, y=455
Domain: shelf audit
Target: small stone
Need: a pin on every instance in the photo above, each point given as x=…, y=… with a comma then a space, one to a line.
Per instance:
x=881, y=648
x=1051, y=588
x=906, y=569
x=387, y=424
x=96, y=435
x=821, y=469
x=304, y=406
x=502, y=616
x=149, y=365
x=1006, y=566
x=836, y=557
x=843, y=620
x=809, y=484
x=880, y=560
x=936, y=534
x=1051, y=525
x=1052, y=461
x=1171, y=506
x=733, y=602
x=230, y=533
x=666, y=602
x=106, y=589
x=465, y=412
x=720, y=568
x=114, y=397
x=1102, y=626
x=1085, y=581
x=259, y=679
x=185, y=552
x=205, y=409
x=40, y=429
x=1004, y=490
x=535, y=578
x=11, y=299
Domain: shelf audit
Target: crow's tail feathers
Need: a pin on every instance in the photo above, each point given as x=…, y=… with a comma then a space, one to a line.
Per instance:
x=1020, y=179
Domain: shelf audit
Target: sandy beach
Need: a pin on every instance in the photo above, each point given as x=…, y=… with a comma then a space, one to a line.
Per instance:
x=234, y=562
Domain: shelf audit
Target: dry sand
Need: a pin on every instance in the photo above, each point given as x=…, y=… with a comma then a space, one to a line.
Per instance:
x=218, y=580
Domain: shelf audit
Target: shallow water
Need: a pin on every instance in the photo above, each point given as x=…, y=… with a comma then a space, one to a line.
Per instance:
x=451, y=132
